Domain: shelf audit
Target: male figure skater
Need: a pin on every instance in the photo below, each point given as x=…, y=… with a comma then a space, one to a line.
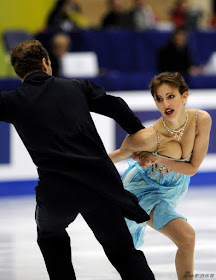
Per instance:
x=52, y=117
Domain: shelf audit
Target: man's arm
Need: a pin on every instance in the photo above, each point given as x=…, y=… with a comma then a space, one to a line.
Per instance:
x=117, y=109
x=111, y=106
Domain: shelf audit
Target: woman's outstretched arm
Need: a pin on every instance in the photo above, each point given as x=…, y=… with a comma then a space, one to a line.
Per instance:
x=143, y=140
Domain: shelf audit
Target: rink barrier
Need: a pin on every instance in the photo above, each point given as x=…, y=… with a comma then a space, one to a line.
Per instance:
x=17, y=188
x=18, y=174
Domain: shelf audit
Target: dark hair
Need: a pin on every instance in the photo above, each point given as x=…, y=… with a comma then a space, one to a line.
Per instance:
x=174, y=79
x=27, y=57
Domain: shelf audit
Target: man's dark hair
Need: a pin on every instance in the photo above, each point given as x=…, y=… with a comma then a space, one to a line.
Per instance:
x=27, y=57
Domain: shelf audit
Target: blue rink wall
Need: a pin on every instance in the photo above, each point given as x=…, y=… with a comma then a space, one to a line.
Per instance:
x=18, y=175
x=16, y=188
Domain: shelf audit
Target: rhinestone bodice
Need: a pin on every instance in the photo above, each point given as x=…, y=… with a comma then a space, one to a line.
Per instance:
x=160, y=168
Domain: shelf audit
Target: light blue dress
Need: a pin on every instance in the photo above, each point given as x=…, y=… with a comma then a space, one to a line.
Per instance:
x=155, y=187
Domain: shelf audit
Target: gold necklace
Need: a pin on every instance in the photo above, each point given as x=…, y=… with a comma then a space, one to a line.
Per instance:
x=178, y=133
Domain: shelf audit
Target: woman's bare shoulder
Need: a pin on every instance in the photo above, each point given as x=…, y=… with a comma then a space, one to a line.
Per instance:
x=204, y=119
x=201, y=114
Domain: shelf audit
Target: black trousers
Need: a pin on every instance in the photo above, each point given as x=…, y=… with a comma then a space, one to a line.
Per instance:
x=58, y=204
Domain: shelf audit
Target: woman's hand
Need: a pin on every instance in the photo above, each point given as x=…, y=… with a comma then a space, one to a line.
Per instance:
x=144, y=159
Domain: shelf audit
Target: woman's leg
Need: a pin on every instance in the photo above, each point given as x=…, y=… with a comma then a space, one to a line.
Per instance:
x=183, y=235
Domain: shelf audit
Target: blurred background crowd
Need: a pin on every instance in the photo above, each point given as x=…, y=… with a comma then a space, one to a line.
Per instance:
x=131, y=39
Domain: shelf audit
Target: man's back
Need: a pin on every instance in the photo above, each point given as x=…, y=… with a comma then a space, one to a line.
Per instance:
x=52, y=118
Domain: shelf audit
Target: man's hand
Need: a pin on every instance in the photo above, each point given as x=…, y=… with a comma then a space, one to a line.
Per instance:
x=144, y=159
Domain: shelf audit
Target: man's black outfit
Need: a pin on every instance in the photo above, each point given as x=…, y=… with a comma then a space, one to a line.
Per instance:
x=52, y=117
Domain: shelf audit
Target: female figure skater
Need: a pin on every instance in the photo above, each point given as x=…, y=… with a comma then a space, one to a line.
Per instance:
x=176, y=144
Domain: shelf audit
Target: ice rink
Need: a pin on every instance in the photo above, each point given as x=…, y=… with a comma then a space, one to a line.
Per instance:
x=20, y=258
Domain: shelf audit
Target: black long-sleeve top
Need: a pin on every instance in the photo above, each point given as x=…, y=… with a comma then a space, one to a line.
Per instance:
x=52, y=117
